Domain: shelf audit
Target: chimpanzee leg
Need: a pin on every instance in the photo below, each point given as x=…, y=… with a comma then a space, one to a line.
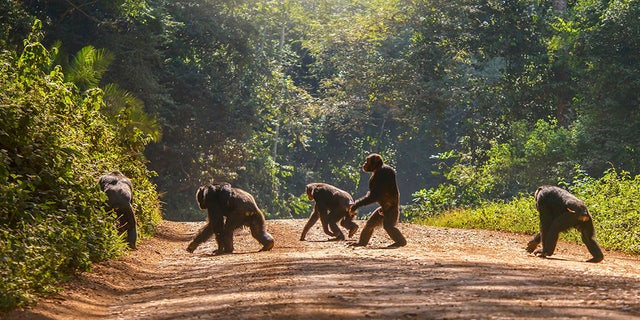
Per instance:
x=227, y=236
x=313, y=218
x=550, y=239
x=391, y=216
x=127, y=221
x=375, y=221
x=334, y=228
x=546, y=220
x=335, y=215
x=325, y=220
x=204, y=234
x=259, y=233
x=588, y=237
x=348, y=224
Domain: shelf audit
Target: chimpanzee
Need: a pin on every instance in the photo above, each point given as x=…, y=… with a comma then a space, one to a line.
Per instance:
x=384, y=190
x=229, y=209
x=332, y=205
x=559, y=210
x=119, y=197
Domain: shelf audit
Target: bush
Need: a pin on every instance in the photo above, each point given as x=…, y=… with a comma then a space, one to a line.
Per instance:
x=54, y=144
x=613, y=202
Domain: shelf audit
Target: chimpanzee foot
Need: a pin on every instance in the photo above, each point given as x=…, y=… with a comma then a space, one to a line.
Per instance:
x=353, y=231
x=595, y=260
x=267, y=246
x=397, y=245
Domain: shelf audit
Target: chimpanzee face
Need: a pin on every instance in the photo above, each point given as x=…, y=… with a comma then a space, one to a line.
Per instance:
x=372, y=163
x=310, y=193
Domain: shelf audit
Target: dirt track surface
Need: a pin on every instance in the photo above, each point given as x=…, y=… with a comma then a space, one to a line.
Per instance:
x=441, y=274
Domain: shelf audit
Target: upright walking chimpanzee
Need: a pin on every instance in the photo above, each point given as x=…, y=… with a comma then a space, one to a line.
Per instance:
x=119, y=193
x=559, y=210
x=384, y=190
x=332, y=205
x=229, y=209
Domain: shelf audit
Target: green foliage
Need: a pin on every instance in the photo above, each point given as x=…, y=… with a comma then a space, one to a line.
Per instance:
x=271, y=95
x=431, y=202
x=54, y=144
x=612, y=201
x=301, y=206
x=517, y=215
x=533, y=157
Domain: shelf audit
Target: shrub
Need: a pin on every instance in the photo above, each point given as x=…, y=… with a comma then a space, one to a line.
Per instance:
x=54, y=144
x=613, y=202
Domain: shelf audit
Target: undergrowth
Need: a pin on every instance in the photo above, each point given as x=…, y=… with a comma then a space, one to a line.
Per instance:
x=613, y=201
x=54, y=144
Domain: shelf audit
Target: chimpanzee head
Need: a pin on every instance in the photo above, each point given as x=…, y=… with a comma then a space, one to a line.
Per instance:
x=372, y=163
x=200, y=194
x=217, y=192
x=310, y=191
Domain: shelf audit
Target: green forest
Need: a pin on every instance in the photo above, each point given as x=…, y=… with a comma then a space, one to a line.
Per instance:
x=474, y=103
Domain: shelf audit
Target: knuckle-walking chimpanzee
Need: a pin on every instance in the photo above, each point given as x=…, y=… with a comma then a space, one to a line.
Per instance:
x=119, y=193
x=229, y=209
x=331, y=205
x=559, y=210
x=383, y=189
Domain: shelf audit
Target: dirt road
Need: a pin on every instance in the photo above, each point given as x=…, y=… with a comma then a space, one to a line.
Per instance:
x=442, y=274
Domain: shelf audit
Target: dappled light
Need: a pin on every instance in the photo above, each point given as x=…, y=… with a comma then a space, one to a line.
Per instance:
x=473, y=104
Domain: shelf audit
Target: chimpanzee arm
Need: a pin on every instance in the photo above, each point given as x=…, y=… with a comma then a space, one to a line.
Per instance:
x=313, y=218
x=382, y=180
x=374, y=193
x=368, y=198
x=588, y=237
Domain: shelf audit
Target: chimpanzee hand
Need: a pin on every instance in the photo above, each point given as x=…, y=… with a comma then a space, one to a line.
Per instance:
x=192, y=247
x=532, y=245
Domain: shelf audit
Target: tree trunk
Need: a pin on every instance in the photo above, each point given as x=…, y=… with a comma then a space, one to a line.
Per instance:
x=560, y=5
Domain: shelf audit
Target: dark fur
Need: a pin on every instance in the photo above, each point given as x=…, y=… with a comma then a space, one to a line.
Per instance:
x=332, y=205
x=559, y=210
x=229, y=209
x=119, y=193
x=383, y=189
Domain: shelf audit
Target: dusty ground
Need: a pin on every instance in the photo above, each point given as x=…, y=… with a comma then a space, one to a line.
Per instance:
x=442, y=274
